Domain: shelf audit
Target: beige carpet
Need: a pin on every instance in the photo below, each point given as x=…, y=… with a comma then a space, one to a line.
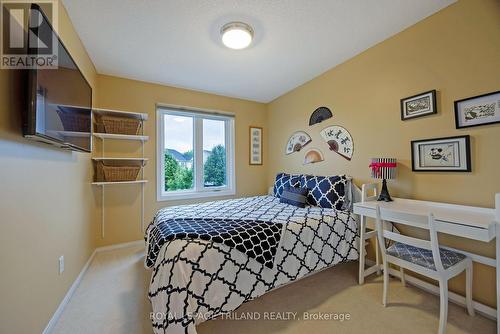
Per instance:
x=112, y=299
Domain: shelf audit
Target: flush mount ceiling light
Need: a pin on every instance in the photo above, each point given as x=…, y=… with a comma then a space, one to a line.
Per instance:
x=236, y=35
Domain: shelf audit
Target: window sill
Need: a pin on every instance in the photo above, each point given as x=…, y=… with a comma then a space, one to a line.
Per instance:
x=194, y=195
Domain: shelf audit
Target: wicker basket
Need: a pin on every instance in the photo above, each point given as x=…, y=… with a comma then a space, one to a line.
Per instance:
x=115, y=173
x=75, y=122
x=118, y=125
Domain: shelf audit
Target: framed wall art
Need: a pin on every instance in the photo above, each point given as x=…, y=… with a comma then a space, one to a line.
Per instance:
x=418, y=105
x=478, y=110
x=450, y=154
x=255, y=145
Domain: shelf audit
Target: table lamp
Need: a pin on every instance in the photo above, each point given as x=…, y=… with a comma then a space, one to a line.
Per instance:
x=385, y=169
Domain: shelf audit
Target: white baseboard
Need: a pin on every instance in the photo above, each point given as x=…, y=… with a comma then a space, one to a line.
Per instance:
x=57, y=314
x=455, y=298
x=122, y=245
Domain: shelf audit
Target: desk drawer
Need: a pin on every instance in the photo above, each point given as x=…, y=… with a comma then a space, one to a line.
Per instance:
x=470, y=232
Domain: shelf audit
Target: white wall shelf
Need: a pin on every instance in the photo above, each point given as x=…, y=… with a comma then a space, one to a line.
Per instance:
x=141, y=160
x=118, y=113
x=73, y=134
x=120, y=137
x=67, y=106
x=137, y=160
x=120, y=158
x=121, y=182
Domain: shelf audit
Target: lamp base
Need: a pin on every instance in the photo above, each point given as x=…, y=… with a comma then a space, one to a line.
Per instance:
x=384, y=193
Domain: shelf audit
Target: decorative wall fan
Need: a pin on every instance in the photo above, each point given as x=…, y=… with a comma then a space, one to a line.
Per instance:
x=297, y=141
x=319, y=115
x=312, y=156
x=339, y=140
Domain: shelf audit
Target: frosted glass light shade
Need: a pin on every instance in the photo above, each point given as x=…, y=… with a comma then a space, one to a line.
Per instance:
x=237, y=35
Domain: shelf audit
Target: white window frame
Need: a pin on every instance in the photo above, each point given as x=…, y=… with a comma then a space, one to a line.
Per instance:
x=199, y=190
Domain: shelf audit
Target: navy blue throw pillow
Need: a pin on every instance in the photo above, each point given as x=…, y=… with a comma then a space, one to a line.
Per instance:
x=283, y=180
x=294, y=196
x=325, y=191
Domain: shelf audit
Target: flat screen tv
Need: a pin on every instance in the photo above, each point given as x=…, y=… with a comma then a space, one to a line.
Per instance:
x=59, y=100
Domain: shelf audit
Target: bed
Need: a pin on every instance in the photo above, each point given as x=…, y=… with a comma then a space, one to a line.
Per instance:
x=195, y=279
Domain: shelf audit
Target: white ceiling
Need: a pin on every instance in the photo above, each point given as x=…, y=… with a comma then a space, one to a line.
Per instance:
x=177, y=42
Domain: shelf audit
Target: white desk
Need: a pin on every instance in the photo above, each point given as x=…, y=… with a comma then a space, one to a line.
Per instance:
x=465, y=221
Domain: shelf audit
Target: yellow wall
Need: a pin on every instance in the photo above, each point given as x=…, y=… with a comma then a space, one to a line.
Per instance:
x=457, y=52
x=122, y=203
x=47, y=208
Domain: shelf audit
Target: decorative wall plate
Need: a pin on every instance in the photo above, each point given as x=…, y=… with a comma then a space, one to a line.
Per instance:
x=312, y=156
x=339, y=140
x=319, y=115
x=297, y=141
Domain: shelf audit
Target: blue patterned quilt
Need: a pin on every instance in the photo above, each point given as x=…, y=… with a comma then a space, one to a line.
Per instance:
x=256, y=238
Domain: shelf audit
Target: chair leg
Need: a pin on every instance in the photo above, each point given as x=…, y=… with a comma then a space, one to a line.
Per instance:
x=362, y=251
x=468, y=288
x=443, y=307
x=403, y=280
x=377, y=255
x=386, y=283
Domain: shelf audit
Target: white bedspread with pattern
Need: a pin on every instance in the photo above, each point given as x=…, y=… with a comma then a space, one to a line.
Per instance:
x=195, y=280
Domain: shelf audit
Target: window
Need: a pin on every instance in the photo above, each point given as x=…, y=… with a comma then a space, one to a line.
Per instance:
x=195, y=154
